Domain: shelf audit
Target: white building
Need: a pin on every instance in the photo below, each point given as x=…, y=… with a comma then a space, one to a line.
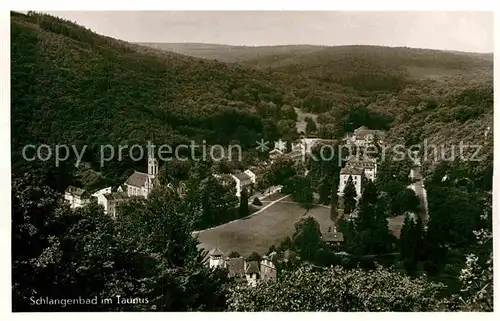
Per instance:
x=110, y=202
x=252, y=175
x=141, y=184
x=369, y=165
x=106, y=190
x=252, y=272
x=76, y=197
x=267, y=267
x=357, y=174
x=216, y=258
x=242, y=180
x=363, y=136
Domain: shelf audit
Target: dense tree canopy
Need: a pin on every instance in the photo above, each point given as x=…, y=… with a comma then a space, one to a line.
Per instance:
x=336, y=289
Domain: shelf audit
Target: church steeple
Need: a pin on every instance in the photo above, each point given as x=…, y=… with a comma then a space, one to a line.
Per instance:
x=152, y=167
x=152, y=162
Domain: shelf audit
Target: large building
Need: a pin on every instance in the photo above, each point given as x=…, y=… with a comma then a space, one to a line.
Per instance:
x=364, y=137
x=369, y=165
x=357, y=174
x=76, y=197
x=110, y=202
x=141, y=184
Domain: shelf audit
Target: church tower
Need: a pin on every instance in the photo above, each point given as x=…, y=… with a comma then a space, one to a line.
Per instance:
x=152, y=167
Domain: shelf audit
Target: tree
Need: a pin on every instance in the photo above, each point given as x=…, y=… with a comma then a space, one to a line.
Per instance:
x=147, y=253
x=234, y=254
x=477, y=276
x=254, y=257
x=243, y=209
x=366, y=212
x=400, y=198
x=371, y=231
x=272, y=249
x=302, y=191
x=160, y=228
x=325, y=190
x=411, y=242
x=216, y=199
x=280, y=171
x=349, y=196
x=337, y=289
x=310, y=125
x=307, y=237
x=286, y=244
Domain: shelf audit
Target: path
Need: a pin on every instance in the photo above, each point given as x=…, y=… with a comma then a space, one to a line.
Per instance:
x=269, y=191
x=244, y=218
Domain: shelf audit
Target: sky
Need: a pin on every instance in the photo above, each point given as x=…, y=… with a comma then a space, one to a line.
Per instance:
x=454, y=30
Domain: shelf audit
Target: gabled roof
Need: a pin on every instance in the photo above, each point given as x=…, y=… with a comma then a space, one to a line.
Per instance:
x=242, y=176
x=76, y=191
x=363, y=131
x=216, y=252
x=333, y=237
x=116, y=196
x=252, y=267
x=236, y=266
x=352, y=170
x=137, y=179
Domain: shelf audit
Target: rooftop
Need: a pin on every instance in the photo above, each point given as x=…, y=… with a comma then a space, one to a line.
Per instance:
x=76, y=191
x=363, y=131
x=351, y=170
x=215, y=252
x=137, y=179
x=236, y=266
x=252, y=267
x=242, y=176
x=116, y=196
x=333, y=237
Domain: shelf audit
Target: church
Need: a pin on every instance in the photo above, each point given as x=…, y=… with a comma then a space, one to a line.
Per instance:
x=141, y=184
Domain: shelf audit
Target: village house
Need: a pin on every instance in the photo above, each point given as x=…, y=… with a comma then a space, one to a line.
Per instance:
x=333, y=237
x=267, y=267
x=357, y=174
x=241, y=180
x=252, y=175
x=141, y=184
x=76, y=197
x=250, y=271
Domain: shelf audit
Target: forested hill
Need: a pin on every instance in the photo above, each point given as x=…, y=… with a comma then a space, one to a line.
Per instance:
x=442, y=97
x=70, y=85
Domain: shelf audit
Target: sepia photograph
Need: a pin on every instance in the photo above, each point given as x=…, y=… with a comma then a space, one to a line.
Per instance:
x=251, y=161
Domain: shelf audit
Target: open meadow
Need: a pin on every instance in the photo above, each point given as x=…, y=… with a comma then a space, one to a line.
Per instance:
x=262, y=229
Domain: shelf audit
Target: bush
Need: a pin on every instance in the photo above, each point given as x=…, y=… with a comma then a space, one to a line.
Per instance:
x=257, y=202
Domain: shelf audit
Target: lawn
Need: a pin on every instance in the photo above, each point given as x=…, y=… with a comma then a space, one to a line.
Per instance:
x=263, y=229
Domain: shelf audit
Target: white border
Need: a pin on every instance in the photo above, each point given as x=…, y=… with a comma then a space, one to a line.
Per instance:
x=5, y=286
